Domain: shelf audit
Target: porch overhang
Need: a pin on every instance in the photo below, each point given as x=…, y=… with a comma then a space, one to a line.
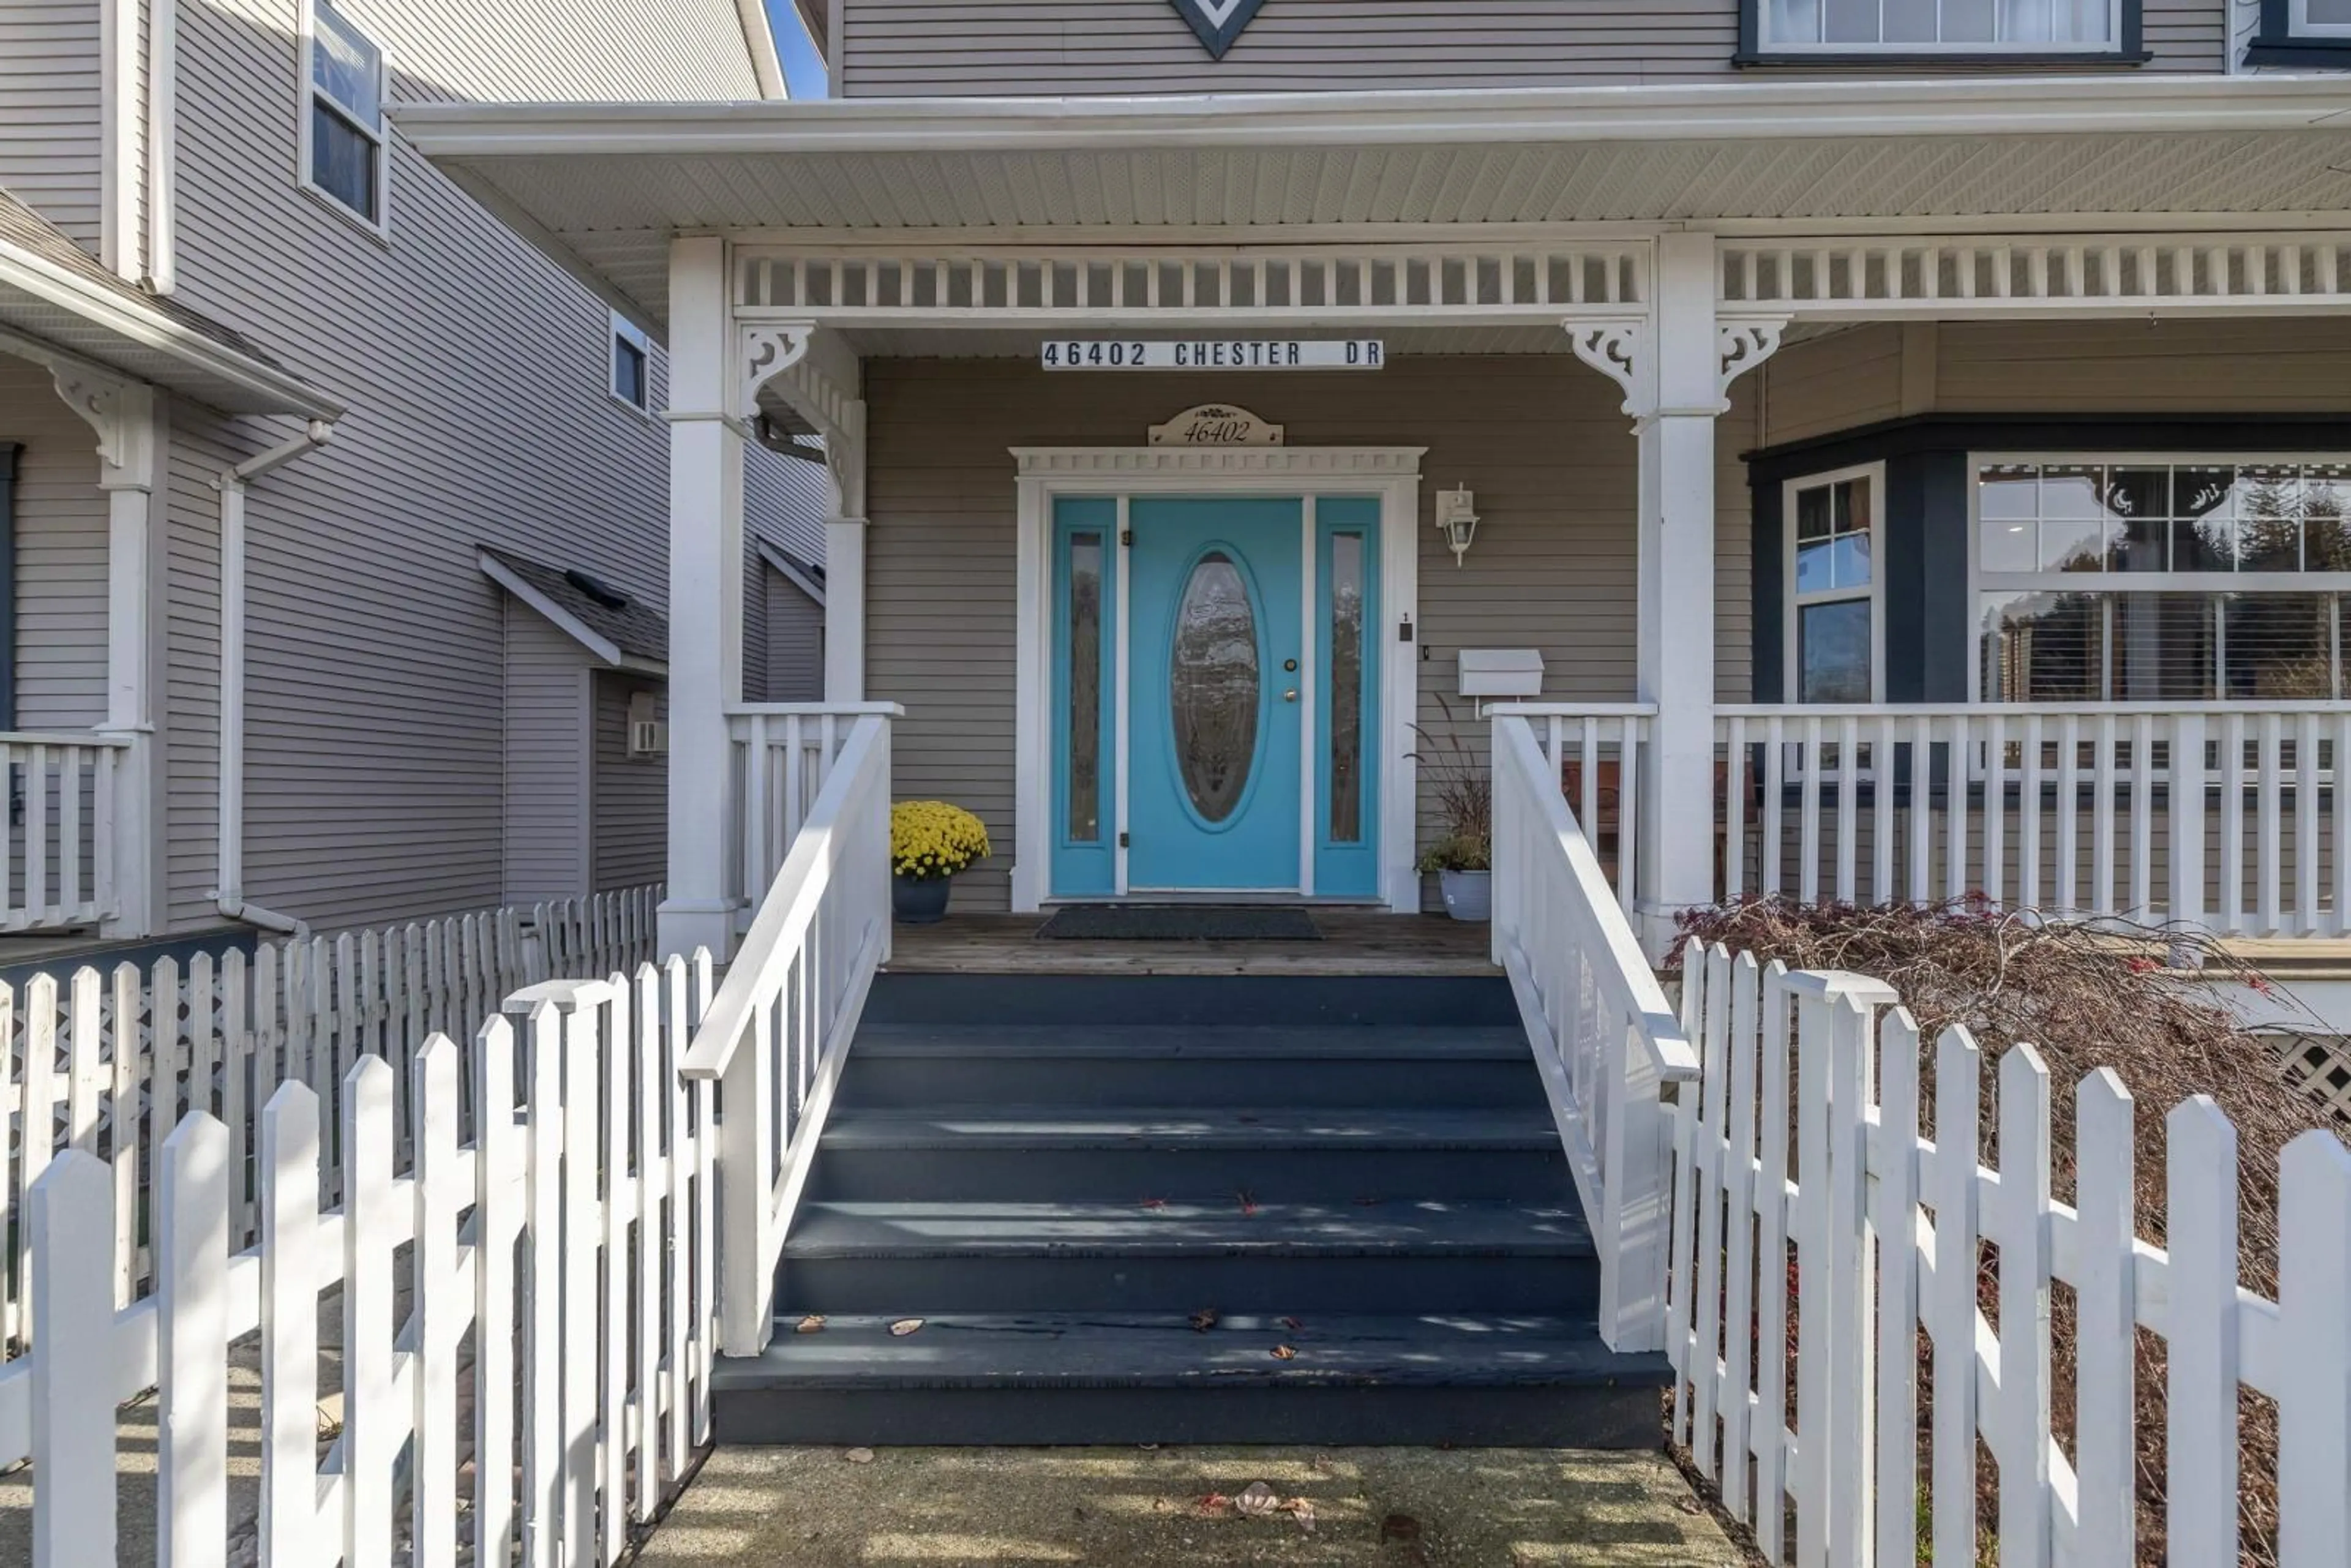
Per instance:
x=605, y=187
x=56, y=299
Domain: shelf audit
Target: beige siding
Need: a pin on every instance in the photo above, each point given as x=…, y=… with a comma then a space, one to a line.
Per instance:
x=986, y=48
x=548, y=677
x=1540, y=440
x=60, y=555
x=629, y=796
x=2278, y=364
x=794, y=647
x=49, y=90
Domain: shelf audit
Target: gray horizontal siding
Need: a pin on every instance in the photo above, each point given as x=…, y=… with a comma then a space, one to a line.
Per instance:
x=629, y=796
x=596, y=51
x=793, y=652
x=61, y=530
x=49, y=90
x=986, y=48
x=546, y=728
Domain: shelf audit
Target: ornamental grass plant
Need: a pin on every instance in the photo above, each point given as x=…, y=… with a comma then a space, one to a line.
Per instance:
x=2086, y=997
x=933, y=838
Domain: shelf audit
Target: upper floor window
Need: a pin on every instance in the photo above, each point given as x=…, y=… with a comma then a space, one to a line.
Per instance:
x=633, y=364
x=2162, y=578
x=1942, y=27
x=343, y=156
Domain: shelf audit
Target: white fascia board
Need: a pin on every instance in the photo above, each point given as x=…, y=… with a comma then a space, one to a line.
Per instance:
x=154, y=330
x=791, y=572
x=1744, y=110
x=760, y=39
x=570, y=625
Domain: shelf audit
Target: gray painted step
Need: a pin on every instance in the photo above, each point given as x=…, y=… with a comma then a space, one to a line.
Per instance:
x=925, y=1065
x=1417, y=1256
x=1041, y=1153
x=1112, y=1378
x=1383, y=1001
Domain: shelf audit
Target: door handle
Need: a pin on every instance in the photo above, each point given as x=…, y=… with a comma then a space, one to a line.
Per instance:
x=1291, y=695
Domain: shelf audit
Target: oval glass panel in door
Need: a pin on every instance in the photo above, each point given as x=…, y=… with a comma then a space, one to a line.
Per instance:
x=1213, y=685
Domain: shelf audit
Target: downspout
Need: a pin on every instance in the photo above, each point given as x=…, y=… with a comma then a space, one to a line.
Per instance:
x=230, y=894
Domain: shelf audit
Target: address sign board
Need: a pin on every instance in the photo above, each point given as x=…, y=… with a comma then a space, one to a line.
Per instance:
x=1213, y=354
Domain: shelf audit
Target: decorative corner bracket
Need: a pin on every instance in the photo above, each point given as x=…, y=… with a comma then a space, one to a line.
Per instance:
x=103, y=403
x=769, y=349
x=1747, y=342
x=1613, y=348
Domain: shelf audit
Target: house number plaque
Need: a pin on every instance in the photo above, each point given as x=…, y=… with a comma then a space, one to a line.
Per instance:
x=1212, y=354
x=1216, y=424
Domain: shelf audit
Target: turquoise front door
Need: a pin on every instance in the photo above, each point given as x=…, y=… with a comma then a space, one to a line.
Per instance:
x=1214, y=682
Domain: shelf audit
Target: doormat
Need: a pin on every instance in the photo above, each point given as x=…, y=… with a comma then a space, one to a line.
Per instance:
x=1178, y=922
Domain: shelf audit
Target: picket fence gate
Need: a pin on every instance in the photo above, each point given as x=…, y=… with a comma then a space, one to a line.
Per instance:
x=1842, y=1173
x=557, y=1220
x=221, y=1034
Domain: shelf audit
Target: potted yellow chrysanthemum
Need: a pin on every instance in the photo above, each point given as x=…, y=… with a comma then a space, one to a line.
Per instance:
x=930, y=841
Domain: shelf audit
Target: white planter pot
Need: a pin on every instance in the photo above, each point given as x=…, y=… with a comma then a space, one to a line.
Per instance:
x=1468, y=895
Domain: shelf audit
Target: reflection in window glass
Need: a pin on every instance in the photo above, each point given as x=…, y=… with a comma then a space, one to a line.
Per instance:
x=1833, y=651
x=2043, y=647
x=1346, y=688
x=2281, y=646
x=1085, y=630
x=1964, y=24
x=2162, y=646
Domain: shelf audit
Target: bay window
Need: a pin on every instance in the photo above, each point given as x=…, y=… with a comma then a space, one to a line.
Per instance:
x=2302, y=33
x=2161, y=579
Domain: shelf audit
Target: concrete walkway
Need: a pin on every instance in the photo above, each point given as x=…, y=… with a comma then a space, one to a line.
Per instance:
x=1133, y=1508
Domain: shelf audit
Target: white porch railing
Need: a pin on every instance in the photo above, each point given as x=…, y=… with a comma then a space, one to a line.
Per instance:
x=2218, y=816
x=777, y=1032
x=1604, y=1038
x=61, y=867
x=543, y=1390
x=1890, y=1228
x=781, y=755
x=1595, y=752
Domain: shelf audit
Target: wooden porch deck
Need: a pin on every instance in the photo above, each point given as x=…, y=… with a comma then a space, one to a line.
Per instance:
x=1354, y=942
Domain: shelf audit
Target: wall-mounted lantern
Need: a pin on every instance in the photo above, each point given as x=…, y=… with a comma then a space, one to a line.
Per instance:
x=1457, y=519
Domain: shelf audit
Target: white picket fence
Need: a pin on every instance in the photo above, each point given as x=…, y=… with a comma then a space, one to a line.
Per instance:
x=1804, y=1131
x=220, y=1035
x=528, y=1385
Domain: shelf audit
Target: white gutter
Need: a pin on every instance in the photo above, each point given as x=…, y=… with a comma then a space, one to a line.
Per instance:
x=230, y=895
x=1768, y=110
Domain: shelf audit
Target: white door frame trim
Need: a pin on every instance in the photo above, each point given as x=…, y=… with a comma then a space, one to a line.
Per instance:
x=1048, y=473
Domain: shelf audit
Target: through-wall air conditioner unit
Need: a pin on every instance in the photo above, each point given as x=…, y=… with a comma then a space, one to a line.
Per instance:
x=648, y=734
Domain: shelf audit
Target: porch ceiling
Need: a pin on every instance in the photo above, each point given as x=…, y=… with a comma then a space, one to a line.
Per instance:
x=606, y=186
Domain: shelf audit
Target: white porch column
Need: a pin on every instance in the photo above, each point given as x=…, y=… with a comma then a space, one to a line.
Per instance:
x=705, y=599
x=1675, y=406
x=129, y=476
x=844, y=609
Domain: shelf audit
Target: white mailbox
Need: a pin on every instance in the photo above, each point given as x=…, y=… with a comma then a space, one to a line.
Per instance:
x=1492, y=673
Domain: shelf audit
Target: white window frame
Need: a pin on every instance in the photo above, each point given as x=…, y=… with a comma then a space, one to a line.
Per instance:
x=1767, y=44
x=2300, y=25
x=379, y=134
x=627, y=331
x=1980, y=581
x=1792, y=676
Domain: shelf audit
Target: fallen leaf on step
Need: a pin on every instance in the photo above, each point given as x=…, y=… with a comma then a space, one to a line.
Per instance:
x=905, y=1326
x=1155, y=1203
x=809, y=1325
x=1399, y=1527
x=1215, y=1503
x=1303, y=1510
x=1284, y=1352
x=1249, y=1204
x=1204, y=1320
x=1292, y=1324
x=1257, y=1500
x=859, y=1456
